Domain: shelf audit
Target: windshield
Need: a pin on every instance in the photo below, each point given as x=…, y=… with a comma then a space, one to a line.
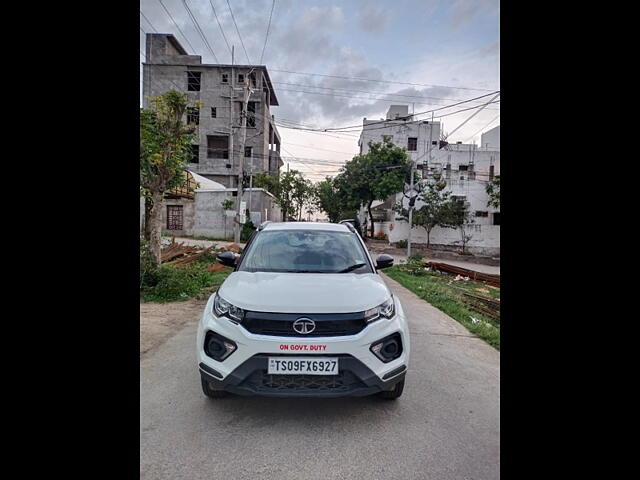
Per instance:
x=304, y=251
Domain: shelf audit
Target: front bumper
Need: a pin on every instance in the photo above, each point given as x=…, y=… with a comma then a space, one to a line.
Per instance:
x=251, y=378
x=244, y=372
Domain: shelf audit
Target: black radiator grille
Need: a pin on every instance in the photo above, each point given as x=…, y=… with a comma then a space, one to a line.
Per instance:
x=261, y=381
x=326, y=324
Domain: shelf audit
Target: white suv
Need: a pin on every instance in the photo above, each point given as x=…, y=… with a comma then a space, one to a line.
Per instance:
x=304, y=314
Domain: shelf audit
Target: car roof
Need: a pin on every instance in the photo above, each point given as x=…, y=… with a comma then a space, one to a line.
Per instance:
x=335, y=227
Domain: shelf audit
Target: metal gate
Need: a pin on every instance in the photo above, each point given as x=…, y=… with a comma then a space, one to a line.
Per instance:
x=174, y=217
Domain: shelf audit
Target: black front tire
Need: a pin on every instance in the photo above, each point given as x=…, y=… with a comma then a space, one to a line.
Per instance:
x=395, y=393
x=210, y=392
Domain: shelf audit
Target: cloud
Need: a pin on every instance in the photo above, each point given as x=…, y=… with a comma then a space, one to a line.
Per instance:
x=372, y=19
x=301, y=44
x=463, y=11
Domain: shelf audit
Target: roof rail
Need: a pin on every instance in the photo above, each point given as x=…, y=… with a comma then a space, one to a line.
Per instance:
x=263, y=224
x=349, y=225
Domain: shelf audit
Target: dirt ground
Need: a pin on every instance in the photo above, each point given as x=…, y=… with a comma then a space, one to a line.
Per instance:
x=159, y=321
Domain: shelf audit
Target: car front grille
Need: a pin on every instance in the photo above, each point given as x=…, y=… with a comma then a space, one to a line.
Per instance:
x=326, y=324
x=261, y=381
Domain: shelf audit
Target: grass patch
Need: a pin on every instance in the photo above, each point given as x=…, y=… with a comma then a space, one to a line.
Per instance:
x=169, y=283
x=441, y=291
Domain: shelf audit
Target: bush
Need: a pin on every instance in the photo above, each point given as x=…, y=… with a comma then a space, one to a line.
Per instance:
x=174, y=283
x=401, y=244
x=415, y=258
x=148, y=269
x=247, y=230
x=168, y=283
x=381, y=236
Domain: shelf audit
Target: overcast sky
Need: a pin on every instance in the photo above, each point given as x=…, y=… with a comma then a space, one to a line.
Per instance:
x=441, y=43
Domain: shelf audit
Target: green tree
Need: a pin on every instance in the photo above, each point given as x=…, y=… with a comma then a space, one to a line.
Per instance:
x=436, y=209
x=493, y=190
x=459, y=217
x=327, y=199
x=164, y=150
x=302, y=192
x=374, y=176
x=289, y=190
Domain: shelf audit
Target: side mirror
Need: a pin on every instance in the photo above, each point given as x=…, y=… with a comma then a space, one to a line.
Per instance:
x=227, y=258
x=384, y=261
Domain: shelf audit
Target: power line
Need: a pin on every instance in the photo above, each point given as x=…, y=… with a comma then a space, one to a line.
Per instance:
x=472, y=115
x=199, y=30
x=422, y=113
x=379, y=81
x=176, y=25
x=493, y=120
x=387, y=100
x=406, y=124
x=317, y=148
x=145, y=17
x=387, y=125
x=333, y=129
x=323, y=134
x=220, y=25
x=238, y=31
x=365, y=91
x=268, y=27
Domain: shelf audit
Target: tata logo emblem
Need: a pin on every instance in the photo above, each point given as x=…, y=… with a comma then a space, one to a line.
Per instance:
x=304, y=325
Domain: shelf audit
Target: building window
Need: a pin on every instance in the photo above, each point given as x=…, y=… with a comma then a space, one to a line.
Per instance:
x=217, y=146
x=193, y=81
x=251, y=117
x=434, y=142
x=413, y=144
x=195, y=153
x=491, y=172
x=174, y=217
x=480, y=213
x=225, y=78
x=241, y=78
x=252, y=79
x=463, y=168
x=214, y=113
x=193, y=115
x=248, y=151
x=496, y=218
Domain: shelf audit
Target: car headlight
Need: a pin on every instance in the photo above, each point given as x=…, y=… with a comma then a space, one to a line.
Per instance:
x=384, y=310
x=222, y=308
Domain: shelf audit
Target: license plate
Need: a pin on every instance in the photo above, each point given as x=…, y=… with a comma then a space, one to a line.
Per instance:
x=303, y=366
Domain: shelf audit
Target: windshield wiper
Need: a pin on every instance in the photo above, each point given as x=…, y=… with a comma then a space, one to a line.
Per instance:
x=351, y=268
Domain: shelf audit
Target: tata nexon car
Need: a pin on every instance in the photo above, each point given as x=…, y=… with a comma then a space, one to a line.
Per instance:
x=304, y=314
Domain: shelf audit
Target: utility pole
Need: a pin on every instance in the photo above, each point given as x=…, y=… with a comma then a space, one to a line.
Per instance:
x=411, y=203
x=430, y=139
x=231, y=86
x=250, y=180
x=245, y=101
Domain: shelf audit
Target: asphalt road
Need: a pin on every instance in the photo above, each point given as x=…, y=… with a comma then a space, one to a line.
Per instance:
x=446, y=425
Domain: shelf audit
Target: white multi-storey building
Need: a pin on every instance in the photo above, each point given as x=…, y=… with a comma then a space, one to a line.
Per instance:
x=467, y=168
x=419, y=137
